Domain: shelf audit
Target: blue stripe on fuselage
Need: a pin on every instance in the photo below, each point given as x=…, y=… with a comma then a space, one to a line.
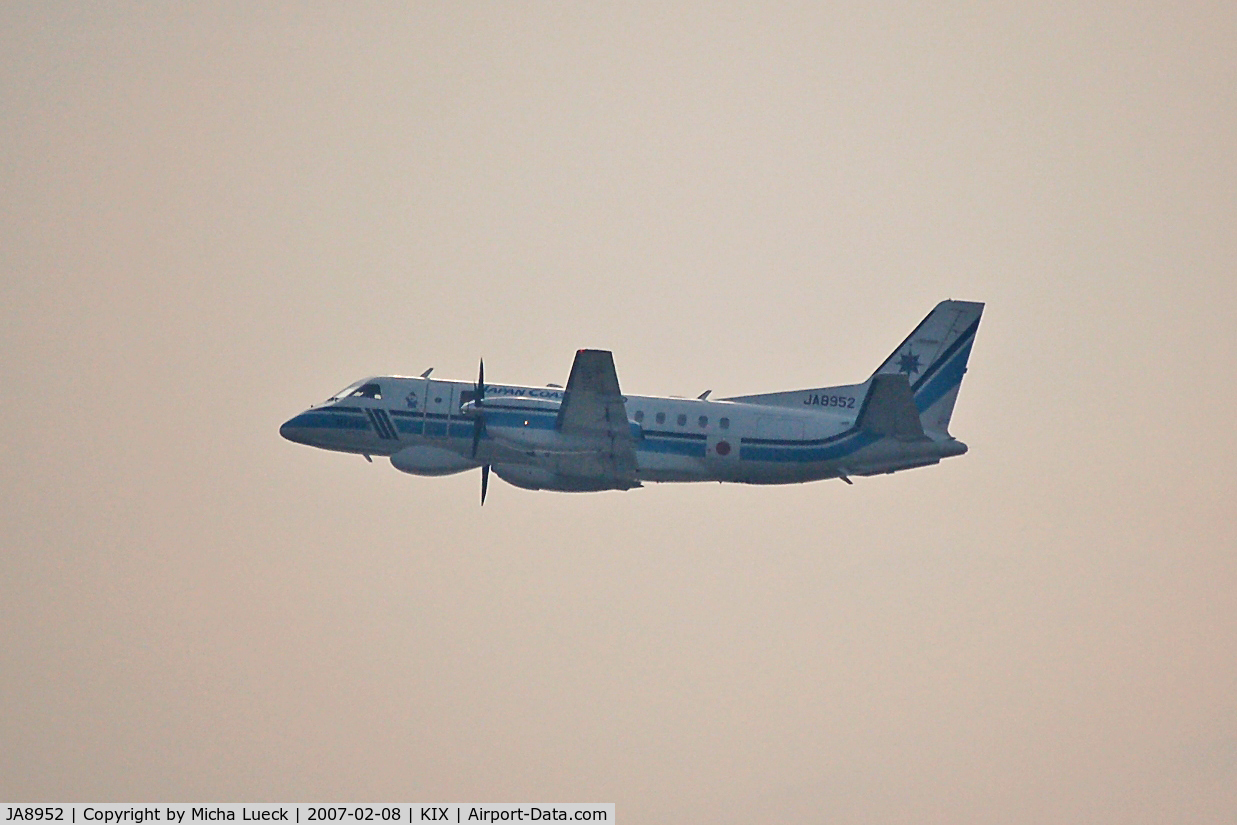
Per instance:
x=808, y=452
x=413, y=427
x=663, y=442
x=689, y=444
x=329, y=420
x=671, y=446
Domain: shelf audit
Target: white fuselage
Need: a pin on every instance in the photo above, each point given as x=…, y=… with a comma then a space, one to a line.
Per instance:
x=677, y=439
x=592, y=436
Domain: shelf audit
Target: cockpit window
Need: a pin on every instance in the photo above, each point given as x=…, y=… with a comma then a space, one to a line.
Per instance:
x=367, y=391
x=357, y=389
x=345, y=392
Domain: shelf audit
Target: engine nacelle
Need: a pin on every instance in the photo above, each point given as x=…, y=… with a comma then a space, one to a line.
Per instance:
x=512, y=403
x=430, y=461
x=535, y=478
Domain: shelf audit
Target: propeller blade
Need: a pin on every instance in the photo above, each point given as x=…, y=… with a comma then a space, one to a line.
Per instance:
x=485, y=481
x=478, y=423
x=478, y=426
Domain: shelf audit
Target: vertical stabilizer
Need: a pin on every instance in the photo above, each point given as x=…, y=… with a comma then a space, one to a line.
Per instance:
x=933, y=359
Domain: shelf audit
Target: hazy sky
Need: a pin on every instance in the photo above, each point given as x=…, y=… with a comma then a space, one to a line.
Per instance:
x=216, y=215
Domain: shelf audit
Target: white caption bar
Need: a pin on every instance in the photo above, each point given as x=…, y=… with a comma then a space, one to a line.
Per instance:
x=375, y=813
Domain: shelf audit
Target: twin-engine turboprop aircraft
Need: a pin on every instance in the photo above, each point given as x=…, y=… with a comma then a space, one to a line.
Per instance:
x=589, y=436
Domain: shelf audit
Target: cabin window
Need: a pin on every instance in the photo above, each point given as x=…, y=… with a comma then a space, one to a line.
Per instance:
x=682, y=419
x=704, y=421
x=639, y=416
x=725, y=423
x=661, y=418
x=367, y=391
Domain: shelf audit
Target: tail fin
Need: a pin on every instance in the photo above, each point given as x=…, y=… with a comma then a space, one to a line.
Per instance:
x=933, y=359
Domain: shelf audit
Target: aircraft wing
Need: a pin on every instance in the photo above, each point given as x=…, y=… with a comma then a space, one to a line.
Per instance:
x=594, y=412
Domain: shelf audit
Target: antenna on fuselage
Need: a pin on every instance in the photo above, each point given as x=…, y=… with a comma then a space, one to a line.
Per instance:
x=703, y=395
x=426, y=374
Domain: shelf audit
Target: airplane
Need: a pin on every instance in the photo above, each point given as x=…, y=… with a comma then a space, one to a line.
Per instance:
x=589, y=436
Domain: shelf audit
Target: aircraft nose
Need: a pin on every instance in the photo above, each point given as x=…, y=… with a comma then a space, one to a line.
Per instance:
x=294, y=430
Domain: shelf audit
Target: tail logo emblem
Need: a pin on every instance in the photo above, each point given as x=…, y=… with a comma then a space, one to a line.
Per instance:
x=908, y=363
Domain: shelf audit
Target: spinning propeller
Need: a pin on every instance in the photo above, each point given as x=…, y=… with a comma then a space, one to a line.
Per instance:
x=478, y=426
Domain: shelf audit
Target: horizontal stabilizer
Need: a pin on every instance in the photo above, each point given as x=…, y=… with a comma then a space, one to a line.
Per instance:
x=889, y=409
